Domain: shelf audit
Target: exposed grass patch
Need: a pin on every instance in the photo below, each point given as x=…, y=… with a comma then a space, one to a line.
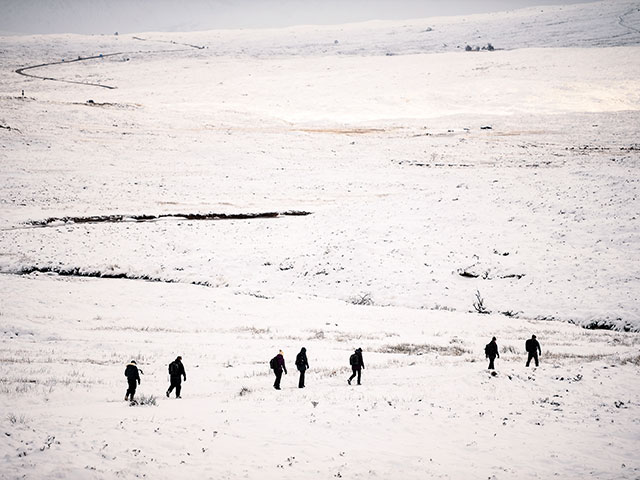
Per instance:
x=581, y=357
x=422, y=349
x=635, y=360
x=145, y=400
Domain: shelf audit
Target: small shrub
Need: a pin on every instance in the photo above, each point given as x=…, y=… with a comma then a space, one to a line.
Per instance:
x=145, y=400
x=244, y=391
x=362, y=299
x=13, y=418
x=317, y=335
x=478, y=304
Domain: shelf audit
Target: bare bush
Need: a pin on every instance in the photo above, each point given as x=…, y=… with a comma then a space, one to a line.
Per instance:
x=14, y=419
x=244, y=391
x=478, y=304
x=317, y=335
x=361, y=299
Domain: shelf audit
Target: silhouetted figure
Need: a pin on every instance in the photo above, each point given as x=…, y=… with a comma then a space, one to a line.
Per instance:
x=491, y=352
x=278, y=366
x=133, y=377
x=533, y=349
x=302, y=364
x=176, y=374
x=357, y=364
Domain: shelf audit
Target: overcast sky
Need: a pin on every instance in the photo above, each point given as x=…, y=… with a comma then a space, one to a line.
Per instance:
x=124, y=16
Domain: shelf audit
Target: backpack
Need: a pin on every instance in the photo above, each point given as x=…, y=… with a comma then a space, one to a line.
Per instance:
x=353, y=360
x=173, y=369
x=528, y=345
x=487, y=349
x=273, y=363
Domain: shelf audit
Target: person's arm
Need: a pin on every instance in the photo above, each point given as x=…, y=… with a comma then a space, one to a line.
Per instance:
x=184, y=374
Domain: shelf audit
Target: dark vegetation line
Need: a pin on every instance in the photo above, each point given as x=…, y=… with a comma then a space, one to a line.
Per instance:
x=603, y=324
x=54, y=221
x=76, y=272
x=199, y=47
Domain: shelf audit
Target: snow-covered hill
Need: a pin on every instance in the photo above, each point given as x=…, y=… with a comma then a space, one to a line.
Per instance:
x=235, y=192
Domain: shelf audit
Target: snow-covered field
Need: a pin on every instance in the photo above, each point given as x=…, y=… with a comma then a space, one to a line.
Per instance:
x=428, y=175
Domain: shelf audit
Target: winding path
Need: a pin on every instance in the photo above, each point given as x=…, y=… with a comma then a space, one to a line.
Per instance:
x=21, y=71
x=623, y=24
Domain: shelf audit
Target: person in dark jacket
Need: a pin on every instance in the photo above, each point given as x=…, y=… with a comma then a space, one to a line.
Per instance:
x=279, y=368
x=491, y=352
x=302, y=364
x=357, y=364
x=176, y=374
x=533, y=349
x=133, y=377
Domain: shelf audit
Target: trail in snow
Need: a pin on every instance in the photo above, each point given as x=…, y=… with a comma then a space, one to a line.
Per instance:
x=21, y=71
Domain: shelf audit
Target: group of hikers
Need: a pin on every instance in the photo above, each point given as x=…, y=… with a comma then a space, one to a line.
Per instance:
x=278, y=366
x=177, y=372
x=532, y=347
x=176, y=376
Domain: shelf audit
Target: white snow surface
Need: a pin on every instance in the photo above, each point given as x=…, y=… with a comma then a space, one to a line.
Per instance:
x=430, y=175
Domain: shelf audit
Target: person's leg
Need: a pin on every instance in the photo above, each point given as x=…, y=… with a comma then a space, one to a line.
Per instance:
x=132, y=388
x=359, y=375
x=178, y=388
x=353, y=375
x=278, y=377
x=535, y=357
x=301, y=381
x=529, y=357
x=491, y=366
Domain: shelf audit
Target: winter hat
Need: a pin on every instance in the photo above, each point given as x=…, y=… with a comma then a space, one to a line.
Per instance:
x=179, y=358
x=134, y=362
x=493, y=339
x=358, y=350
x=533, y=336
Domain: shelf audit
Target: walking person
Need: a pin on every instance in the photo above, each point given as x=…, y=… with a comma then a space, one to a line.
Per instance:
x=357, y=364
x=133, y=377
x=491, y=352
x=176, y=374
x=303, y=365
x=532, y=346
x=278, y=366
